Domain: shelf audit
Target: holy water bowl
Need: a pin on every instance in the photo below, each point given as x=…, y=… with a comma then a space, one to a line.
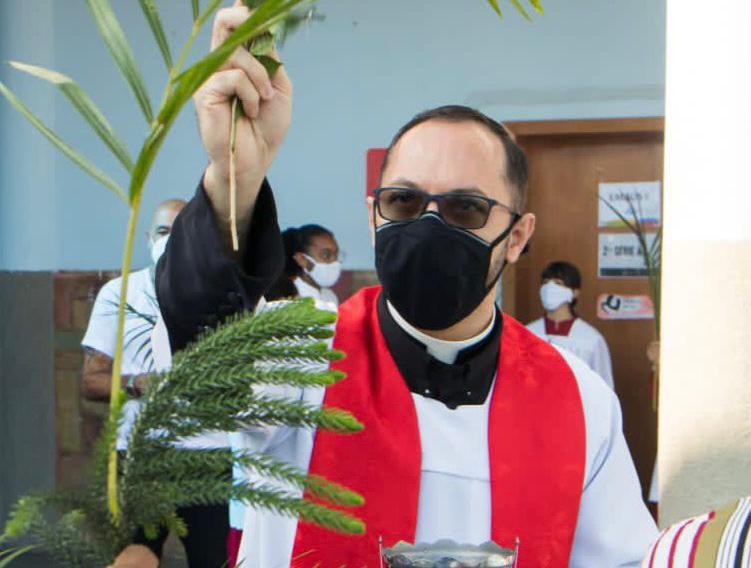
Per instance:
x=449, y=554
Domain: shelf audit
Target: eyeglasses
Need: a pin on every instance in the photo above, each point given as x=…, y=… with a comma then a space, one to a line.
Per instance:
x=463, y=210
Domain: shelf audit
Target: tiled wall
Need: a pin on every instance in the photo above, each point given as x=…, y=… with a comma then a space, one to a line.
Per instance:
x=77, y=421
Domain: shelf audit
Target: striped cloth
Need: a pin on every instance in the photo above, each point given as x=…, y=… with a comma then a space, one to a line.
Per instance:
x=719, y=539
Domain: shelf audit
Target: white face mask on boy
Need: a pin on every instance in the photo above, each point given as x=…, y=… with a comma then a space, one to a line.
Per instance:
x=554, y=295
x=325, y=274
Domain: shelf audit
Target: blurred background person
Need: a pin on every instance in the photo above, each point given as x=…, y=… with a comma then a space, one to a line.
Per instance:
x=561, y=282
x=312, y=266
x=141, y=312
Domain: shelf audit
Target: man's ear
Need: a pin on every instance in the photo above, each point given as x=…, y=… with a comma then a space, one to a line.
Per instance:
x=370, y=201
x=519, y=237
x=576, y=293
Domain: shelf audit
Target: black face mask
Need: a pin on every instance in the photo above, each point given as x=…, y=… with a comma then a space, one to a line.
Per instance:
x=435, y=275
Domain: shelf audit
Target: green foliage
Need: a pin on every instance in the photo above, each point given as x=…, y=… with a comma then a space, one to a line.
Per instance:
x=149, y=9
x=85, y=107
x=68, y=538
x=293, y=22
x=61, y=145
x=216, y=383
x=652, y=253
x=536, y=5
x=119, y=47
x=9, y=555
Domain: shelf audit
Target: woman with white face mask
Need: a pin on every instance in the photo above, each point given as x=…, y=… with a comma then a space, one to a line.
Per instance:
x=313, y=265
x=561, y=326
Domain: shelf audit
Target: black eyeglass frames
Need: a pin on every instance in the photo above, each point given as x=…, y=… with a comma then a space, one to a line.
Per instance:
x=460, y=209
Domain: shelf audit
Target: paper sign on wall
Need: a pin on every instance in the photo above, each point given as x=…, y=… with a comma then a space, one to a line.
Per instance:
x=619, y=255
x=645, y=197
x=624, y=307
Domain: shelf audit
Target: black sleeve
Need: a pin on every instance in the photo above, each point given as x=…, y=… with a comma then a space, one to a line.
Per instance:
x=198, y=284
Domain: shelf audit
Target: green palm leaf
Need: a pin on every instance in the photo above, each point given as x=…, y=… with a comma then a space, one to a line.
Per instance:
x=206, y=14
x=268, y=14
x=85, y=106
x=82, y=162
x=118, y=45
x=496, y=8
x=8, y=556
x=518, y=5
x=196, y=9
x=536, y=4
x=155, y=23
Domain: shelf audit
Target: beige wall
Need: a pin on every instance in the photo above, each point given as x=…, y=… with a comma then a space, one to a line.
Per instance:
x=705, y=397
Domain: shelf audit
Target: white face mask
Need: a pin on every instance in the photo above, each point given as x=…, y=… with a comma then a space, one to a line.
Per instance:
x=157, y=248
x=325, y=274
x=554, y=295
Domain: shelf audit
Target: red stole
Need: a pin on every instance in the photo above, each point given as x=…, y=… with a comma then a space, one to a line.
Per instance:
x=536, y=448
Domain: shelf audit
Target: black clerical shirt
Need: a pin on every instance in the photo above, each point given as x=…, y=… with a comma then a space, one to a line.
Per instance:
x=467, y=381
x=198, y=284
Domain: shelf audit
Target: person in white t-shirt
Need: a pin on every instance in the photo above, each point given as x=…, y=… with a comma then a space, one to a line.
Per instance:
x=312, y=266
x=142, y=311
x=561, y=282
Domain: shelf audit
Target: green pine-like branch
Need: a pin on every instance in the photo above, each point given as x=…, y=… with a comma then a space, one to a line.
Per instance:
x=217, y=383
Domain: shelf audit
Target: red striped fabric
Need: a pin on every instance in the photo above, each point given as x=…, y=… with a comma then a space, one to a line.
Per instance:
x=697, y=538
x=674, y=545
x=655, y=546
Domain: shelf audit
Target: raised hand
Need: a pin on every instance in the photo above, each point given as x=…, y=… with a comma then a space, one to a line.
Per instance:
x=267, y=109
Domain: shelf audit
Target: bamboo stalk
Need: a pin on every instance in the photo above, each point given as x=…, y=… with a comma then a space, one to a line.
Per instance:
x=115, y=386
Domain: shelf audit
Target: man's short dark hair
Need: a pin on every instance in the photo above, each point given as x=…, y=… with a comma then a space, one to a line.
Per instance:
x=516, y=161
x=564, y=271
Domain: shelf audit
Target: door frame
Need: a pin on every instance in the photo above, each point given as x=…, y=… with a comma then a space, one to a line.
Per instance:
x=529, y=128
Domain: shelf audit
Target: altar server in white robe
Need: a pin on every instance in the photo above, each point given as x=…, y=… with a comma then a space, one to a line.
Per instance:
x=474, y=428
x=561, y=283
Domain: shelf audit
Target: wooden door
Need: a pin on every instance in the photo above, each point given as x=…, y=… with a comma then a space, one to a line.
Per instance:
x=568, y=159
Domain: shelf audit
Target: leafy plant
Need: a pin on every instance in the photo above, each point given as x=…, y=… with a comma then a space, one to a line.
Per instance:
x=180, y=87
x=215, y=384
x=653, y=262
x=536, y=6
x=652, y=252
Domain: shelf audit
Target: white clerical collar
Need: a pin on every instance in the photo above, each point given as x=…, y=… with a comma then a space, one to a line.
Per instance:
x=443, y=350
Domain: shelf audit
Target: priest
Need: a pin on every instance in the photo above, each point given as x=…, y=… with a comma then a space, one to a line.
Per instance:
x=475, y=429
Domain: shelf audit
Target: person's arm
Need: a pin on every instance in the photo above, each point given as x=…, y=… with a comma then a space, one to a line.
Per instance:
x=199, y=283
x=97, y=377
x=98, y=346
x=200, y=278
